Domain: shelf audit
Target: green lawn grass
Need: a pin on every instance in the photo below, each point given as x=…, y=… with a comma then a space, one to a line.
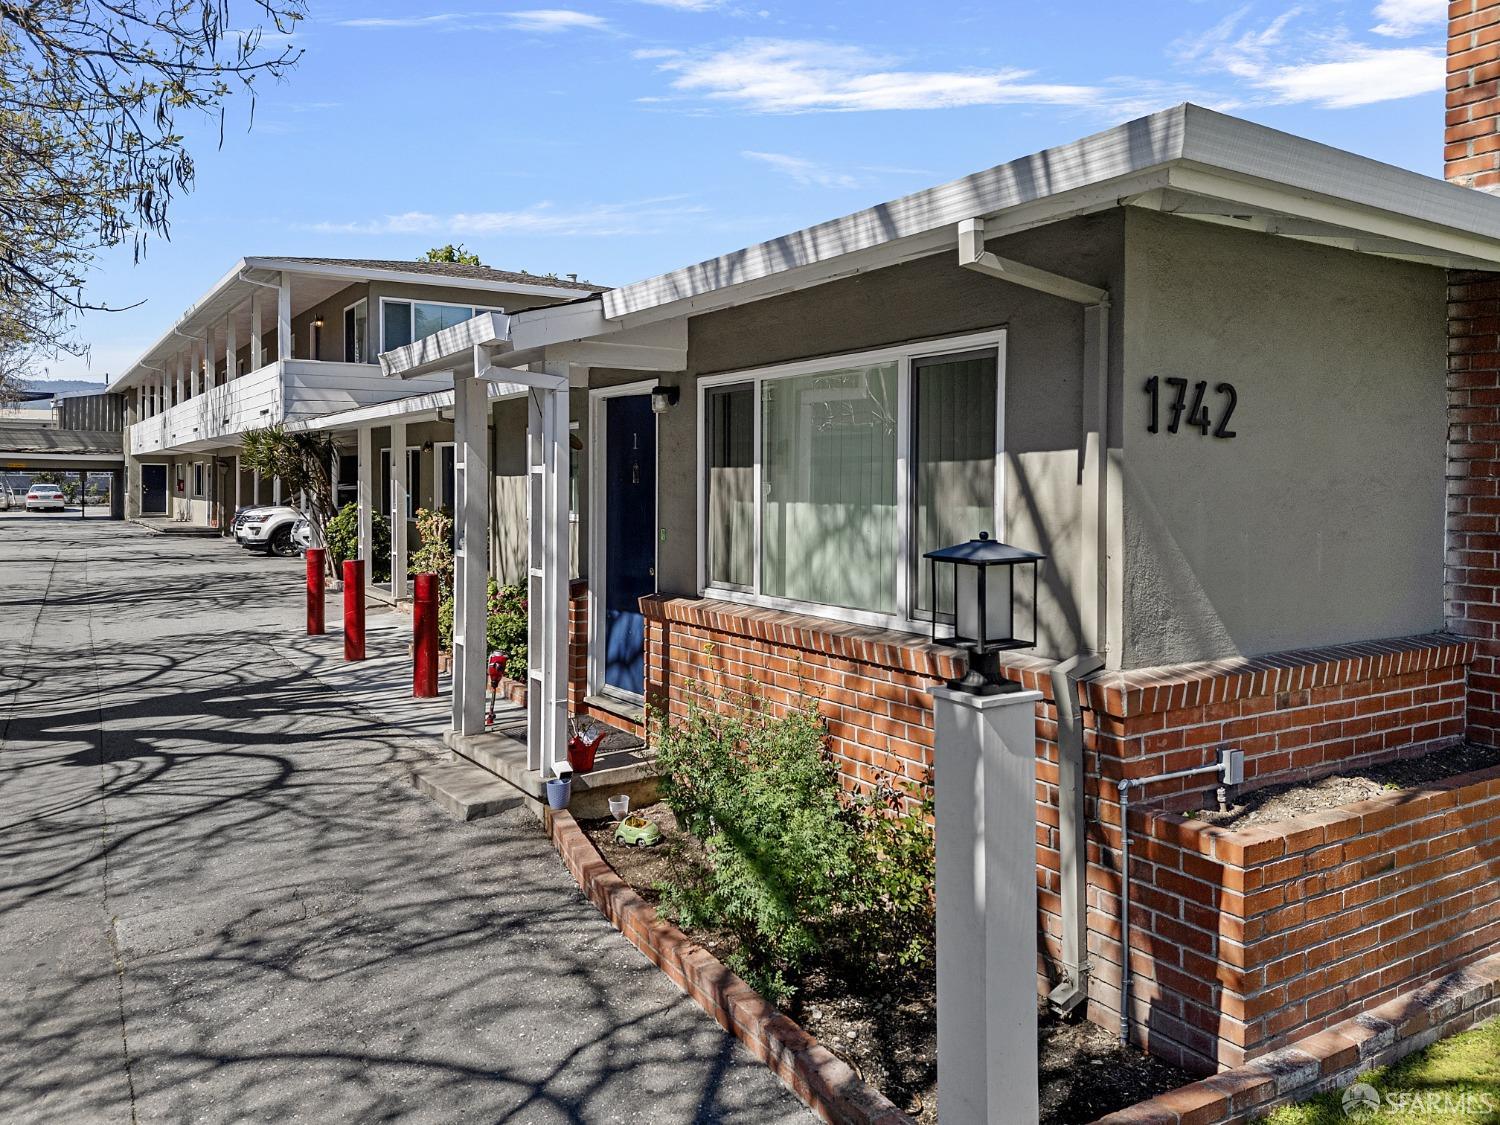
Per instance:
x=1453, y=1082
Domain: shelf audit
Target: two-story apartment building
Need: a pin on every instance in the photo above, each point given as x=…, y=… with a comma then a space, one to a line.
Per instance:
x=286, y=340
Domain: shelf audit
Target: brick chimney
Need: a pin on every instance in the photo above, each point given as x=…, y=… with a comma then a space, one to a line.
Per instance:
x=1471, y=140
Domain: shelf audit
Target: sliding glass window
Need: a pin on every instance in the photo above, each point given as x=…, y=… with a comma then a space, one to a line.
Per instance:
x=406, y=322
x=822, y=487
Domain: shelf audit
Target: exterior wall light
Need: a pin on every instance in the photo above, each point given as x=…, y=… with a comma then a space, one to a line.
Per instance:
x=982, y=606
x=663, y=399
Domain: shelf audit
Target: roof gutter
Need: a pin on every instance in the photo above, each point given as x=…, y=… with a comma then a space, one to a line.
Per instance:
x=1072, y=989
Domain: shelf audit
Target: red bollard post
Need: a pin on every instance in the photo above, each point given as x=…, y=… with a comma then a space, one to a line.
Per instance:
x=354, y=609
x=315, y=591
x=424, y=684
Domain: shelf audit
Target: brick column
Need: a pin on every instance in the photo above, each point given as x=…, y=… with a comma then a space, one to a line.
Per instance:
x=1471, y=133
x=1471, y=574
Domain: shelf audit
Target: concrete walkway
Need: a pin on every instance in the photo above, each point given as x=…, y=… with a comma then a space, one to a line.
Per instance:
x=220, y=900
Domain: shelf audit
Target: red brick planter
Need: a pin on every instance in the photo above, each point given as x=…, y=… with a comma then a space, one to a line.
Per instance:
x=1330, y=1059
x=829, y=1086
x=1245, y=940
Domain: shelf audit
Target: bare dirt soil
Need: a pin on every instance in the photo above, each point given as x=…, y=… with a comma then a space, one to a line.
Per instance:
x=1282, y=802
x=888, y=1033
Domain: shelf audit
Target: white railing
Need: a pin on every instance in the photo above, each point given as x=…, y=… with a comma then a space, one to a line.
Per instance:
x=287, y=390
x=252, y=400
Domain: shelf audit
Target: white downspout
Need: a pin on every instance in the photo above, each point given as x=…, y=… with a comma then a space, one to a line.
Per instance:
x=1072, y=990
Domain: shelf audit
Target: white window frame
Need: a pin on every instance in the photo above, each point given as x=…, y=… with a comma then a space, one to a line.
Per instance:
x=904, y=619
x=393, y=298
x=344, y=337
x=413, y=457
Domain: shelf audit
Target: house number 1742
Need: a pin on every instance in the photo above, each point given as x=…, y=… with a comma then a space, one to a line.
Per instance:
x=1195, y=408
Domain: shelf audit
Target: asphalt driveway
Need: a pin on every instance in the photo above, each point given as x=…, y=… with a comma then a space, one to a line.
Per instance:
x=220, y=901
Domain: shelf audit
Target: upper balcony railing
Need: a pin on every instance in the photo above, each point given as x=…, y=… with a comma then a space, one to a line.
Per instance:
x=282, y=391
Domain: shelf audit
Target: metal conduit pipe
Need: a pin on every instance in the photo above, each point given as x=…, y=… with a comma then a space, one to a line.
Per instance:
x=1072, y=832
x=1072, y=990
x=1231, y=770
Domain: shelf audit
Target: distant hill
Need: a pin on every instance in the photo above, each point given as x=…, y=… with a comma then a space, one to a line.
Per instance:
x=61, y=386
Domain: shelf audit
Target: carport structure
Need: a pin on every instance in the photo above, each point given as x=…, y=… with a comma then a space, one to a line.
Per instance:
x=495, y=356
x=36, y=448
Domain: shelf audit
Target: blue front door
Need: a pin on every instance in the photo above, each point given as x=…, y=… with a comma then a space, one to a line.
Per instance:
x=630, y=536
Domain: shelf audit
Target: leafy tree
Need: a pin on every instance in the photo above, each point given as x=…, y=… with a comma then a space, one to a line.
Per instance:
x=91, y=155
x=304, y=462
x=451, y=253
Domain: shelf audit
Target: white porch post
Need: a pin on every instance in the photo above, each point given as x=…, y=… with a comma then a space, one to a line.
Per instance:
x=208, y=358
x=471, y=556
x=397, y=514
x=364, y=499
x=257, y=340
x=255, y=486
x=238, y=501
x=231, y=345
x=547, y=575
x=985, y=810
x=276, y=490
x=284, y=318
x=178, y=382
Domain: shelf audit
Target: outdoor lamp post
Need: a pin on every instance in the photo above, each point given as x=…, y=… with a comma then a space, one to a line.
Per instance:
x=982, y=607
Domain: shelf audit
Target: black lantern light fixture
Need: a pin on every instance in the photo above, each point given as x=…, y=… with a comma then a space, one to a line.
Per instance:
x=983, y=605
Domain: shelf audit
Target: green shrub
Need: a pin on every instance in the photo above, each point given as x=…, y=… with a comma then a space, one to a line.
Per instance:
x=795, y=866
x=342, y=537
x=505, y=629
x=434, y=550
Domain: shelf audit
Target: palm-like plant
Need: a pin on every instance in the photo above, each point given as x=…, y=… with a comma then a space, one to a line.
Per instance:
x=304, y=462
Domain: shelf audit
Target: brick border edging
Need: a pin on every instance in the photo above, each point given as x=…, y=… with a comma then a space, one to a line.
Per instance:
x=827, y=1084
x=1330, y=1058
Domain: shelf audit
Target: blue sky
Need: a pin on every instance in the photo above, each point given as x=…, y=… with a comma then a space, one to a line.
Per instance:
x=619, y=138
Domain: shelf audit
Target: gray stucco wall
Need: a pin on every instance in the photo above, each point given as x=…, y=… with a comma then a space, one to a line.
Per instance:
x=1322, y=521
x=929, y=298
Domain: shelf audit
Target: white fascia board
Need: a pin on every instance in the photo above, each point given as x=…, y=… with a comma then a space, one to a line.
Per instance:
x=447, y=281
x=1340, y=215
x=448, y=348
x=931, y=214
x=1138, y=156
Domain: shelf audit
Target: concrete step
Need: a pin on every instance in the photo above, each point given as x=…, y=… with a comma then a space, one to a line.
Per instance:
x=464, y=790
x=629, y=771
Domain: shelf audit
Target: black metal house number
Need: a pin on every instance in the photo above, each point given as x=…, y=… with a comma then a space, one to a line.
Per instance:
x=1196, y=409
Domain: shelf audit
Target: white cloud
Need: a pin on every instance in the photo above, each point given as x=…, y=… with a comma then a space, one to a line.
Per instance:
x=554, y=19
x=543, y=20
x=803, y=171
x=1325, y=67
x=686, y=5
x=1403, y=18
x=1367, y=76
x=800, y=76
x=644, y=216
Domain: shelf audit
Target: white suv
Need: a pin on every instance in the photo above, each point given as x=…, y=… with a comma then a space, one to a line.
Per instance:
x=267, y=529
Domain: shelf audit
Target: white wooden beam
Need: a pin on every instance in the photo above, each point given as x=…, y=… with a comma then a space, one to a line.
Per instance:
x=284, y=317
x=471, y=553
x=397, y=513
x=364, y=498
x=257, y=341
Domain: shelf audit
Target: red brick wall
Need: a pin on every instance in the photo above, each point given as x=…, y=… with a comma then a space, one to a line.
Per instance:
x=1471, y=587
x=1294, y=714
x=1471, y=139
x=871, y=685
x=1319, y=917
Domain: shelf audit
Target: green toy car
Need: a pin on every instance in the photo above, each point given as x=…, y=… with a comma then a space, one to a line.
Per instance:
x=638, y=832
